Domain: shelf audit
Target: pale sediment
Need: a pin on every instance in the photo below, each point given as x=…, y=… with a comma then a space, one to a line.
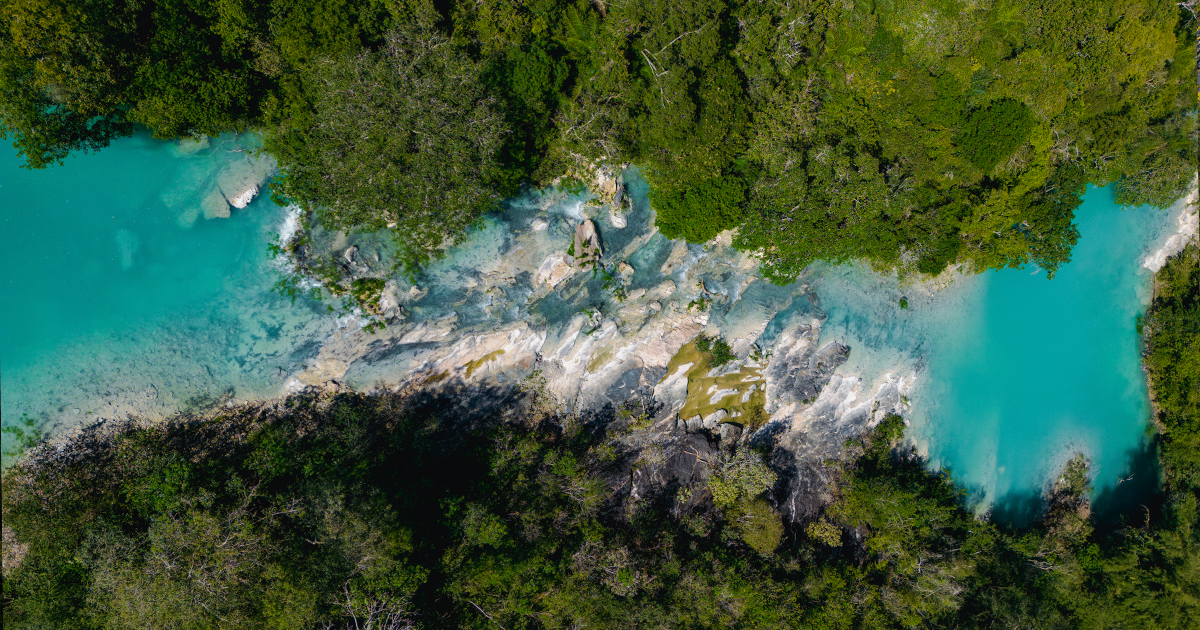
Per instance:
x=1186, y=213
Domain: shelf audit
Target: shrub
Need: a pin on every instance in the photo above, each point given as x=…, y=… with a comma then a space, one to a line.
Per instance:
x=701, y=212
x=993, y=132
x=717, y=348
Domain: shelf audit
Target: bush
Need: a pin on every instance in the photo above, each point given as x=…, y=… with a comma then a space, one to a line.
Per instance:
x=717, y=348
x=993, y=132
x=701, y=212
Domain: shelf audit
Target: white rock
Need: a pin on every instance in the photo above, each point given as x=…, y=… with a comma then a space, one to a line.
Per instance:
x=240, y=180
x=617, y=219
x=415, y=293
x=713, y=419
x=676, y=257
x=553, y=270
x=539, y=225
x=242, y=199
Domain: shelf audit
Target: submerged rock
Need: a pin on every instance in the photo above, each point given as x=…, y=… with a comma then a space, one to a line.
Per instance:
x=240, y=180
x=554, y=269
x=214, y=206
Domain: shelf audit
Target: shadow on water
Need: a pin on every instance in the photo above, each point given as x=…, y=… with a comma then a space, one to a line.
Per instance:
x=1018, y=509
x=1137, y=496
x=1128, y=503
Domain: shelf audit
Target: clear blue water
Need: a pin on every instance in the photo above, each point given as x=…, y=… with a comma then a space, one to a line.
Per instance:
x=116, y=286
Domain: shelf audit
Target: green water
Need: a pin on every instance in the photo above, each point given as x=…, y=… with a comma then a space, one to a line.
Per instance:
x=117, y=287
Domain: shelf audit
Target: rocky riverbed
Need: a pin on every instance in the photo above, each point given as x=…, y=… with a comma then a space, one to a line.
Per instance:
x=583, y=291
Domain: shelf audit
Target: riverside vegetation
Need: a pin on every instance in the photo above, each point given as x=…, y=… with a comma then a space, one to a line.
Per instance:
x=911, y=134
x=407, y=510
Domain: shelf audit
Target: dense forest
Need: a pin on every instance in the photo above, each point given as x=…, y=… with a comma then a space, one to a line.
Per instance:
x=912, y=134
x=414, y=509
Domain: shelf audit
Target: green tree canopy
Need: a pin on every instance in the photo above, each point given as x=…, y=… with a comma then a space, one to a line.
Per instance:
x=404, y=138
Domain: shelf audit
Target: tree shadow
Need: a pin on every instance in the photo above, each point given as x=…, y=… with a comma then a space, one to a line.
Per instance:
x=1136, y=497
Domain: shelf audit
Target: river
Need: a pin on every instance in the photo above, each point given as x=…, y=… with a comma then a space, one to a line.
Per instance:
x=121, y=298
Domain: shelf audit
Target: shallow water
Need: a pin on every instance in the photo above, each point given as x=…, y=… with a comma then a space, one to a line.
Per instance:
x=117, y=289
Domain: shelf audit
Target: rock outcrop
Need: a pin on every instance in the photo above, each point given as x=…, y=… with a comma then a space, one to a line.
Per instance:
x=586, y=246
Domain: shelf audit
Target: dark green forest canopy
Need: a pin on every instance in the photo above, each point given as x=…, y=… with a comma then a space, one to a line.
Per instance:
x=385, y=511
x=912, y=134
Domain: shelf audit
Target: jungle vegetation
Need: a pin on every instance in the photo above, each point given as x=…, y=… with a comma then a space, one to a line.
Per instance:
x=911, y=134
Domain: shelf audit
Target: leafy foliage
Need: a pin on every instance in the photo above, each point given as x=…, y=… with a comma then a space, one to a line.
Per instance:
x=993, y=132
x=404, y=138
x=717, y=348
x=914, y=135
x=336, y=510
x=1171, y=354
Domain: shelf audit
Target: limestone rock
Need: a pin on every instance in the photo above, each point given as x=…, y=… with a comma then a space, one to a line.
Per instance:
x=389, y=302
x=625, y=269
x=241, y=179
x=676, y=257
x=415, y=293
x=617, y=219
x=662, y=291
x=729, y=433
x=539, y=225
x=553, y=270
x=350, y=253
x=713, y=419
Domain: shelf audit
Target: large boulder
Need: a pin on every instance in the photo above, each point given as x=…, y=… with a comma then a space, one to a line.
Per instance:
x=587, y=244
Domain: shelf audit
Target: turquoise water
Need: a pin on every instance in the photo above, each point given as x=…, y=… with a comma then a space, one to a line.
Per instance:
x=117, y=291
x=1046, y=369
x=1014, y=373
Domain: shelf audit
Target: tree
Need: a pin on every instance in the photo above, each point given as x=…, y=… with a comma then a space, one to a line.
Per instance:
x=405, y=138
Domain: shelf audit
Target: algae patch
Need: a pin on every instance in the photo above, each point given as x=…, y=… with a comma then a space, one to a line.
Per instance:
x=491, y=356
x=741, y=393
